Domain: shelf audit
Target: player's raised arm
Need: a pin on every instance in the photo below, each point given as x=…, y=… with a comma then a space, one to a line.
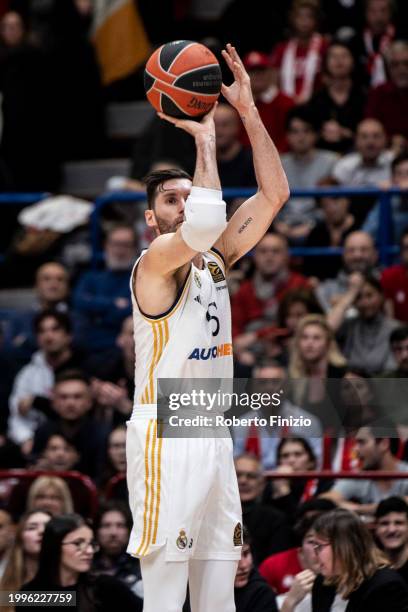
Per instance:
x=204, y=212
x=253, y=217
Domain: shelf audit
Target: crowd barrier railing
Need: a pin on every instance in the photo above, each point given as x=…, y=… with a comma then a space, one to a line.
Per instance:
x=384, y=237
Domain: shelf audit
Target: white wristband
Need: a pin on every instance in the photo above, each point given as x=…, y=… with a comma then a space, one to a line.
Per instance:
x=206, y=195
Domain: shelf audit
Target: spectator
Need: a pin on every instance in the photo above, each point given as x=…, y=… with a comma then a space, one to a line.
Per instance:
x=387, y=102
x=338, y=106
x=354, y=568
x=296, y=455
x=305, y=166
x=394, y=281
x=272, y=104
x=399, y=211
x=103, y=296
x=51, y=293
x=368, y=166
x=29, y=400
x=359, y=255
x=59, y=455
x=391, y=531
x=71, y=409
x=66, y=556
x=268, y=527
x=6, y=539
x=252, y=593
x=22, y=562
x=50, y=493
x=331, y=231
x=114, y=374
x=399, y=348
x=300, y=57
x=280, y=569
x=255, y=303
x=365, y=338
x=115, y=456
x=270, y=377
x=235, y=165
x=376, y=449
x=315, y=359
x=294, y=306
x=112, y=528
x=374, y=40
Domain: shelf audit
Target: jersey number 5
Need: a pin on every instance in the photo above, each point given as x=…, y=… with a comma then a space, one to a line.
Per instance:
x=213, y=318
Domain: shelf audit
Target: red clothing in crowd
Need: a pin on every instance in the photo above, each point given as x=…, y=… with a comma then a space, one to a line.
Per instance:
x=273, y=107
x=389, y=104
x=246, y=306
x=394, y=282
x=280, y=570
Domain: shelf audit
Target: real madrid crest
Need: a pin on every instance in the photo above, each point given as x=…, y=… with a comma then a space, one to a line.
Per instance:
x=182, y=540
x=197, y=279
x=238, y=535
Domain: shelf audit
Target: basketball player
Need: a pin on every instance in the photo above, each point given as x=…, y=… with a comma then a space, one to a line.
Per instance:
x=183, y=492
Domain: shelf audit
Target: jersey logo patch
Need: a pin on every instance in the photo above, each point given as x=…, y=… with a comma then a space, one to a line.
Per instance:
x=182, y=540
x=215, y=272
x=238, y=535
x=197, y=279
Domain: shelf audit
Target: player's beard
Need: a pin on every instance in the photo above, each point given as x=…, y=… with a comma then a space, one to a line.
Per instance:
x=168, y=228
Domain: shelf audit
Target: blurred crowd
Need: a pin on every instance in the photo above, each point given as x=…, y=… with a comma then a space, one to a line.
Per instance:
x=330, y=80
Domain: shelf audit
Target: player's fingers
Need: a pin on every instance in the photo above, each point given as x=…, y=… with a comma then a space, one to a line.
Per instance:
x=172, y=120
x=235, y=56
x=227, y=58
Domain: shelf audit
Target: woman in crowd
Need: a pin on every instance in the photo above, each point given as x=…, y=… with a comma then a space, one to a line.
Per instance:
x=338, y=106
x=295, y=455
x=352, y=569
x=365, y=339
x=314, y=359
x=50, y=493
x=115, y=462
x=22, y=563
x=65, y=559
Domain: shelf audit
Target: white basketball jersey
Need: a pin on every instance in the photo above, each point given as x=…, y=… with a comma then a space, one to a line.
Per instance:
x=192, y=339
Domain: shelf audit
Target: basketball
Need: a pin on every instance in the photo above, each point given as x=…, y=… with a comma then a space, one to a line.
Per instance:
x=183, y=79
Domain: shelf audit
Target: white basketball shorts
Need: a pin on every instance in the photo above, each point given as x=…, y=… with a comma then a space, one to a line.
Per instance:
x=183, y=494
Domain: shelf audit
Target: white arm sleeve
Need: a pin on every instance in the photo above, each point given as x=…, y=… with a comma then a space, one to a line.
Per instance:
x=206, y=218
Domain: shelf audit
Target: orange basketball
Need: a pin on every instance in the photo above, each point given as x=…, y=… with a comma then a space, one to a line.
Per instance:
x=183, y=79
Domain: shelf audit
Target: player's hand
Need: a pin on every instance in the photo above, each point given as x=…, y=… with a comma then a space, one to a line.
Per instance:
x=239, y=94
x=205, y=127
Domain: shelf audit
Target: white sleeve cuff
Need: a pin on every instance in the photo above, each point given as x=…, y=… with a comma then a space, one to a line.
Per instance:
x=206, y=195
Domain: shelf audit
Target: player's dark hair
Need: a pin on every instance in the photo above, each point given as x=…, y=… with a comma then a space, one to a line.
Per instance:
x=158, y=177
x=61, y=318
x=391, y=504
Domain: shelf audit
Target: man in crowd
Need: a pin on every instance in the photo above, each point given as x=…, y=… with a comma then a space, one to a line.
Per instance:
x=376, y=448
x=71, y=415
x=59, y=455
x=391, y=531
x=103, y=296
x=388, y=102
x=6, y=538
x=112, y=527
x=305, y=166
x=270, y=377
x=29, y=399
x=255, y=304
x=273, y=104
x=399, y=348
x=359, y=255
x=268, y=527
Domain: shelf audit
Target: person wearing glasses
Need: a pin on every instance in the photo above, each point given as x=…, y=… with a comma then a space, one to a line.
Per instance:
x=66, y=555
x=354, y=574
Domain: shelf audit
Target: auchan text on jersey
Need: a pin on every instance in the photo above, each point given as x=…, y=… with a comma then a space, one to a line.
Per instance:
x=212, y=352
